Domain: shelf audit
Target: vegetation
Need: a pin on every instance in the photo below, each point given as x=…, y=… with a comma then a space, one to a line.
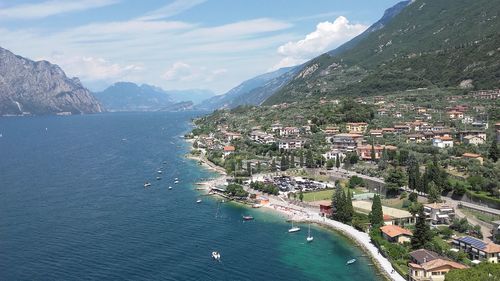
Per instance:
x=483, y=271
x=236, y=190
x=376, y=215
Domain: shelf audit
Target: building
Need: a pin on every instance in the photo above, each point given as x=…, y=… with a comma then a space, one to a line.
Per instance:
x=289, y=131
x=396, y=234
x=229, y=149
x=421, y=256
x=276, y=127
x=232, y=136
x=473, y=156
x=415, y=138
x=402, y=128
x=333, y=154
x=434, y=270
x=442, y=142
x=262, y=137
x=359, y=127
x=486, y=94
x=376, y=133
x=478, y=249
x=365, y=151
x=454, y=114
x=473, y=140
x=439, y=213
x=346, y=142
x=290, y=144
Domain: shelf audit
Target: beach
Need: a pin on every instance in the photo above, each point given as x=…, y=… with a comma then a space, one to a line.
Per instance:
x=302, y=214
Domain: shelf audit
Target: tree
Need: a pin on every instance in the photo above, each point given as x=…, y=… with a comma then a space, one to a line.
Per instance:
x=329, y=164
x=493, y=152
x=283, y=166
x=376, y=215
x=259, y=168
x=349, y=209
x=291, y=164
x=337, y=162
x=403, y=157
x=413, y=172
x=273, y=165
x=249, y=168
x=301, y=159
x=309, y=159
x=301, y=196
x=395, y=180
x=338, y=204
x=434, y=194
x=483, y=271
x=422, y=233
x=355, y=181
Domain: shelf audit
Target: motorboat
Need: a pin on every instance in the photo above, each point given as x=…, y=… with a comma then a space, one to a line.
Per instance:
x=247, y=218
x=159, y=171
x=216, y=255
x=169, y=187
x=176, y=182
x=158, y=178
x=147, y=184
x=198, y=201
x=350, y=261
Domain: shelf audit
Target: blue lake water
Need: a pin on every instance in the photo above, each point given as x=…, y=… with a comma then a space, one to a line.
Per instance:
x=73, y=207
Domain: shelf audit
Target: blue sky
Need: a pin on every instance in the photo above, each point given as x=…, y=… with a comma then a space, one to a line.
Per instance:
x=180, y=44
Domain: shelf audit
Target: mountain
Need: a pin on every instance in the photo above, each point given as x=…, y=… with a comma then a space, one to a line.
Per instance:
x=194, y=95
x=253, y=91
x=428, y=44
x=29, y=87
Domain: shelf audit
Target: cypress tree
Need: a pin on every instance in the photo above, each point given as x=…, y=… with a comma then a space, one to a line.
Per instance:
x=376, y=215
x=422, y=233
x=337, y=162
x=283, y=163
x=309, y=159
x=301, y=159
x=372, y=153
x=273, y=165
x=337, y=203
x=349, y=209
x=292, y=161
x=493, y=151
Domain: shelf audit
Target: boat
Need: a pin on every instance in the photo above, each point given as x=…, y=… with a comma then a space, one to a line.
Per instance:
x=169, y=187
x=216, y=255
x=256, y=205
x=164, y=162
x=158, y=178
x=159, y=171
x=294, y=228
x=176, y=182
x=309, y=237
x=350, y=261
x=147, y=184
x=198, y=201
x=247, y=218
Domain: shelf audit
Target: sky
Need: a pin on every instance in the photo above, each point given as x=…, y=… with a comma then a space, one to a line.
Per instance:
x=180, y=44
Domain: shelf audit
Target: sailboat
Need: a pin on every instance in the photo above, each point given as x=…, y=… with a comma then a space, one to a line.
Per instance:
x=294, y=228
x=309, y=237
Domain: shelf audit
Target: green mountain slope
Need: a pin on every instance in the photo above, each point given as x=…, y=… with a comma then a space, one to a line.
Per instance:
x=438, y=43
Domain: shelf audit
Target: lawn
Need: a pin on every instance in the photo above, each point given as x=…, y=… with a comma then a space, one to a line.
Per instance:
x=318, y=195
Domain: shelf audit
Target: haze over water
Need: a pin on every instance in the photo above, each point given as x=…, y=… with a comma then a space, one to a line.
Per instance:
x=73, y=207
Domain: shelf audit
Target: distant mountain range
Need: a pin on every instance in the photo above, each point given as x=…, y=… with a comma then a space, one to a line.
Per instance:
x=252, y=91
x=128, y=96
x=38, y=88
x=422, y=44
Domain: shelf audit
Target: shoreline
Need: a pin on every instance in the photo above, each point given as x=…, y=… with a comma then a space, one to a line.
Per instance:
x=299, y=214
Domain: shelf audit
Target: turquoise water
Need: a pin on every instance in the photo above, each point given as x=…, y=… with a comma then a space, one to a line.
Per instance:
x=73, y=207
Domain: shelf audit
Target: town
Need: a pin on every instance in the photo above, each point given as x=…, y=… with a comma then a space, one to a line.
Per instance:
x=417, y=172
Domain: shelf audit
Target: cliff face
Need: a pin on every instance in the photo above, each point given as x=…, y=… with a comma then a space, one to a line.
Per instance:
x=29, y=87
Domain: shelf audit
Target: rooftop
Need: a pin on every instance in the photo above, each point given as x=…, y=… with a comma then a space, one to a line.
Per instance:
x=433, y=264
x=395, y=231
x=422, y=256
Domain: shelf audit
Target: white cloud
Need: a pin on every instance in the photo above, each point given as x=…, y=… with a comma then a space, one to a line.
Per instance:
x=184, y=72
x=93, y=68
x=327, y=36
x=172, y=9
x=50, y=8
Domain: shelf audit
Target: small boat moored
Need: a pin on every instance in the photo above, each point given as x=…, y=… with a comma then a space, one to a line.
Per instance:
x=216, y=255
x=147, y=184
x=350, y=261
x=169, y=187
x=159, y=171
x=198, y=201
x=247, y=218
x=158, y=178
x=294, y=228
x=176, y=182
x=309, y=237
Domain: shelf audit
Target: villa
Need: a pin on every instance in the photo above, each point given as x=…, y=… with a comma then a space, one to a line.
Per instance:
x=442, y=142
x=396, y=234
x=359, y=127
x=434, y=270
x=290, y=144
x=478, y=249
x=439, y=213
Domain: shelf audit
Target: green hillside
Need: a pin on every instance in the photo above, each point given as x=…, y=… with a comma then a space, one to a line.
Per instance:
x=430, y=44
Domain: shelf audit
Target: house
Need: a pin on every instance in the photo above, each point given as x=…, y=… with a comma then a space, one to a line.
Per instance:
x=434, y=270
x=359, y=127
x=382, y=112
x=397, y=234
x=478, y=249
x=228, y=149
x=467, y=119
x=473, y=140
x=402, y=128
x=376, y=133
x=346, y=142
x=262, y=137
x=473, y=156
x=365, y=151
x=325, y=209
x=331, y=130
x=439, y=213
x=388, y=131
x=421, y=109
x=454, y=114
x=471, y=133
x=486, y=94
x=333, y=154
x=415, y=138
x=276, y=127
x=290, y=144
x=421, y=256
x=289, y=131
x=442, y=142
x=398, y=114
x=232, y=136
